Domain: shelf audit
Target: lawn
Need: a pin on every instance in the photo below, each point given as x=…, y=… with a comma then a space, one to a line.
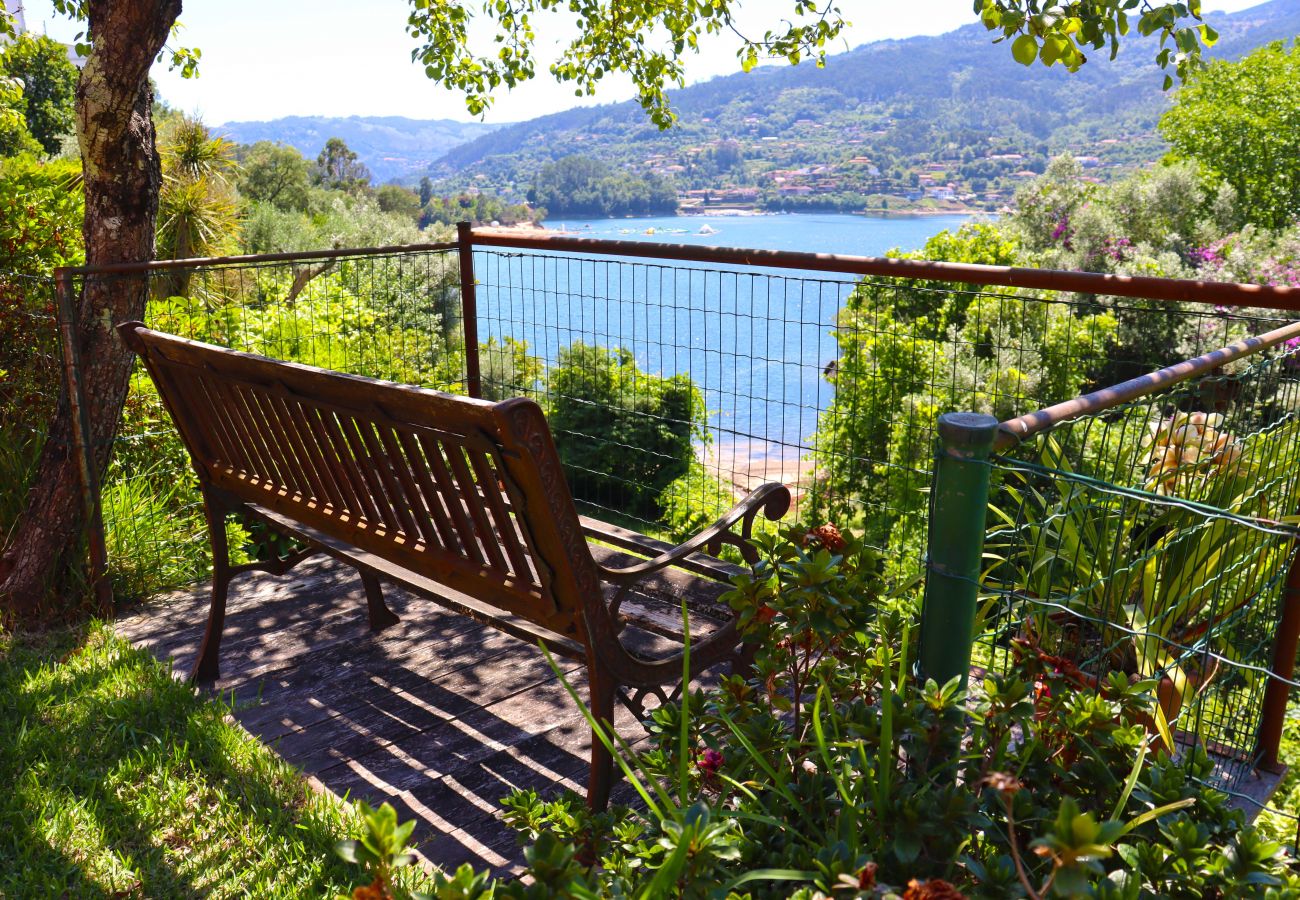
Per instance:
x=125, y=782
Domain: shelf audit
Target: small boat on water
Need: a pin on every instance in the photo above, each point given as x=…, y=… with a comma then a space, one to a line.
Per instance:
x=650, y=230
x=706, y=228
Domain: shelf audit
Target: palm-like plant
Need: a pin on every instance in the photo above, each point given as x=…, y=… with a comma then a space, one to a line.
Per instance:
x=197, y=207
x=1112, y=577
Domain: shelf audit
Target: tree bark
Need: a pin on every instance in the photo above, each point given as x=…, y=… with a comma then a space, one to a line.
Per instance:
x=122, y=176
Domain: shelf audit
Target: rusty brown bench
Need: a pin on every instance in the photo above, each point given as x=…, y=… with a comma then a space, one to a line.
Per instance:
x=459, y=500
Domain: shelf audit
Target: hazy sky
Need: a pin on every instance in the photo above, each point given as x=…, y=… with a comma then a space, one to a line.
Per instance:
x=268, y=58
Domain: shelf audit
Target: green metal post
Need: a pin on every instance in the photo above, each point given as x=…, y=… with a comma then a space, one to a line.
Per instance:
x=958, y=506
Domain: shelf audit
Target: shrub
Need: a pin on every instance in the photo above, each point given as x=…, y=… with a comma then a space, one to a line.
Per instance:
x=910, y=350
x=40, y=229
x=623, y=435
x=508, y=369
x=694, y=501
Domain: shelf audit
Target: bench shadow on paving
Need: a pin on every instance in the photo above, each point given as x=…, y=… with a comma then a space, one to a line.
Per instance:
x=438, y=715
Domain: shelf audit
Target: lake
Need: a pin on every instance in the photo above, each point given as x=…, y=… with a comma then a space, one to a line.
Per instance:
x=755, y=341
x=841, y=234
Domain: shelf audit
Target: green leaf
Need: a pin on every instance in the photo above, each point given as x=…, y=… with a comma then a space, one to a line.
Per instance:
x=1025, y=49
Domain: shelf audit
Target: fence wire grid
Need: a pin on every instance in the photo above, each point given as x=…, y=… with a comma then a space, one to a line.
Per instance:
x=829, y=383
x=1154, y=539
x=31, y=383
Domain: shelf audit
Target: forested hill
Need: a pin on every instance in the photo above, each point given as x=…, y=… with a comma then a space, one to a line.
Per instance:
x=896, y=107
x=390, y=146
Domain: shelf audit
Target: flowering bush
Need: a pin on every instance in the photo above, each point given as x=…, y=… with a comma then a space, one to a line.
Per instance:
x=1188, y=447
x=832, y=772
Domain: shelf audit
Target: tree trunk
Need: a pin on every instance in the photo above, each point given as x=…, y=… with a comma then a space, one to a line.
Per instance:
x=122, y=178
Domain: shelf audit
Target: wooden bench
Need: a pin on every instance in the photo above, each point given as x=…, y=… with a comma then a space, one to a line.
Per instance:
x=460, y=500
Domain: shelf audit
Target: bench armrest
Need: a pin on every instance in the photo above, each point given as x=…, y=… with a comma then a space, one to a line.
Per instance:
x=772, y=499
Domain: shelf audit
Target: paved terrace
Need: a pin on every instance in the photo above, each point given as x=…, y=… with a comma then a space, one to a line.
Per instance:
x=438, y=715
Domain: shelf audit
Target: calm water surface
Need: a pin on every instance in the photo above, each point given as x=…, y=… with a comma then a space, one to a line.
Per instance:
x=756, y=341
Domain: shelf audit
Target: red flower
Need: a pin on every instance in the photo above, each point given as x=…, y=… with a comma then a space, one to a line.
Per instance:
x=764, y=614
x=827, y=536
x=710, y=762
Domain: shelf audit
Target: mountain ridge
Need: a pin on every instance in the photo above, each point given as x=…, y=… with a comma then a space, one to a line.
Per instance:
x=392, y=147
x=899, y=103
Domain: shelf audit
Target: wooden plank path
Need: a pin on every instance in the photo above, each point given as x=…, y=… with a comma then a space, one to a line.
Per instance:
x=438, y=715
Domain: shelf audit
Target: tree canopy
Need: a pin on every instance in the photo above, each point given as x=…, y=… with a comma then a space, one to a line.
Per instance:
x=1241, y=122
x=338, y=167
x=276, y=174
x=1050, y=31
x=49, y=86
x=581, y=186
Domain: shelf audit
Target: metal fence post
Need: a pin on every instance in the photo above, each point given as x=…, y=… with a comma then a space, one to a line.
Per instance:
x=82, y=437
x=469, y=309
x=1278, y=691
x=958, y=506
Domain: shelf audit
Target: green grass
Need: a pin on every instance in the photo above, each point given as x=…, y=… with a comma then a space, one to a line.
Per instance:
x=117, y=780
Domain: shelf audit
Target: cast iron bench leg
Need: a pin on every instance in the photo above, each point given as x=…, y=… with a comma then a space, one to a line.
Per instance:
x=206, y=668
x=602, y=763
x=380, y=615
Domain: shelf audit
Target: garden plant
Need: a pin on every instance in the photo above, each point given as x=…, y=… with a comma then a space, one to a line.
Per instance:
x=833, y=770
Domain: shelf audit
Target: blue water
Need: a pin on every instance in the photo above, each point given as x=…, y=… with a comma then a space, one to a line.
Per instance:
x=755, y=341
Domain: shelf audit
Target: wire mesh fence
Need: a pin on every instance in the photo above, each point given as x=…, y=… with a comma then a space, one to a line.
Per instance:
x=673, y=387
x=31, y=383
x=394, y=316
x=1153, y=540
x=830, y=382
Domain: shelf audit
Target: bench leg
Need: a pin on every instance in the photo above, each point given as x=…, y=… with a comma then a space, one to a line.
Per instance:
x=206, y=668
x=742, y=665
x=602, y=763
x=380, y=615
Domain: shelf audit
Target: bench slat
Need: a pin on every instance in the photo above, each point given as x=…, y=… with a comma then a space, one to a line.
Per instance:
x=434, y=590
x=413, y=499
x=329, y=470
x=303, y=447
x=293, y=474
x=447, y=491
x=431, y=496
x=367, y=467
x=489, y=473
x=473, y=501
x=362, y=504
x=382, y=464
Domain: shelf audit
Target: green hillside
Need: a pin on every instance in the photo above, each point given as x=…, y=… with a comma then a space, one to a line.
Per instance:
x=940, y=122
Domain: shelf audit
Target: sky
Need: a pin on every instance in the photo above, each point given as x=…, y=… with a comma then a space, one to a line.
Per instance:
x=263, y=59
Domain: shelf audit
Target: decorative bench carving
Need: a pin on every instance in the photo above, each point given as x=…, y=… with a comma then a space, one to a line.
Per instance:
x=460, y=500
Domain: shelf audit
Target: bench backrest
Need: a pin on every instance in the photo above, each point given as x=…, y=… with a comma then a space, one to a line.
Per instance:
x=466, y=492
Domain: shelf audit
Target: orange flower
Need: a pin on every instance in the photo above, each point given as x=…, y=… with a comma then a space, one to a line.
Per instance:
x=1042, y=690
x=1001, y=781
x=934, y=889
x=764, y=614
x=827, y=536
x=373, y=891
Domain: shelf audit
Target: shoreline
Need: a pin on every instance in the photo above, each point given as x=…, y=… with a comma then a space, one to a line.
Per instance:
x=749, y=213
